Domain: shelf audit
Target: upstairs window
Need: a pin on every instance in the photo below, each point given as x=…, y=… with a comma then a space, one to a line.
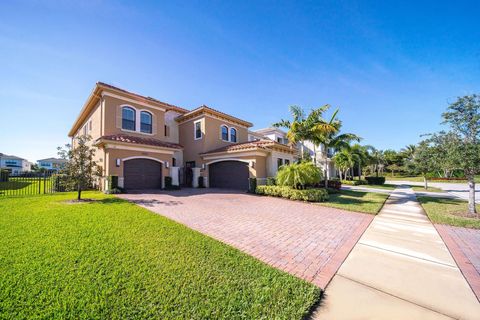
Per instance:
x=233, y=135
x=224, y=133
x=128, y=118
x=197, y=127
x=145, y=122
x=167, y=131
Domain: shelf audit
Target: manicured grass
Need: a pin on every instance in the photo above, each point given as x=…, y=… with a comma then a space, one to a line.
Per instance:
x=429, y=189
x=367, y=202
x=25, y=186
x=448, y=211
x=111, y=259
x=420, y=179
x=385, y=186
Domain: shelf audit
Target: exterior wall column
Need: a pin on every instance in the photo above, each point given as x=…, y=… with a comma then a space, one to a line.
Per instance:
x=195, y=175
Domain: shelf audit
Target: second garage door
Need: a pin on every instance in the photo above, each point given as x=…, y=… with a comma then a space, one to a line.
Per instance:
x=142, y=174
x=229, y=175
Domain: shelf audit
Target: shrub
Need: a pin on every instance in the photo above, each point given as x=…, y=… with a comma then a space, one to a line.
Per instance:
x=112, y=182
x=271, y=182
x=375, y=180
x=312, y=195
x=201, y=182
x=354, y=182
x=334, y=184
x=168, y=182
x=60, y=183
x=252, y=185
x=299, y=175
x=114, y=191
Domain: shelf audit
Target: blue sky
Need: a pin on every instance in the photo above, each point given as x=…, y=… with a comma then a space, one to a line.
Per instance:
x=391, y=68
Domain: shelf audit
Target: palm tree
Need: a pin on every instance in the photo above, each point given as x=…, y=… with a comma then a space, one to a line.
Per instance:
x=362, y=156
x=377, y=159
x=296, y=128
x=337, y=142
x=345, y=160
x=408, y=151
x=303, y=128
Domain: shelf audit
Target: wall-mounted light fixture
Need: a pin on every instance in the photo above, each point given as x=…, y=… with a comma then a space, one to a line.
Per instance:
x=167, y=165
x=252, y=164
x=118, y=162
x=203, y=166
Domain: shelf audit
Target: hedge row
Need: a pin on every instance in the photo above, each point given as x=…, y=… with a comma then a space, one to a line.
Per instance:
x=354, y=182
x=375, y=180
x=313, y=195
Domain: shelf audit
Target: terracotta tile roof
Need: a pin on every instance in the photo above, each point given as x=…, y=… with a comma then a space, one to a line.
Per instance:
x=167, y=105
x=256, y=144
x=206, y=109
x=140, y=140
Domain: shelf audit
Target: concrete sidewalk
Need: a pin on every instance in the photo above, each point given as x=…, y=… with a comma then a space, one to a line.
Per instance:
x=399, y=269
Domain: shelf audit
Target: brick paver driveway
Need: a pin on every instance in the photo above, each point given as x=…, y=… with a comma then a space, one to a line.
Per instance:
x=304, y=239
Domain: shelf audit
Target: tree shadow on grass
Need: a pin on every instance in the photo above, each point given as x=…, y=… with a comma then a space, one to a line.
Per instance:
x=13, y=185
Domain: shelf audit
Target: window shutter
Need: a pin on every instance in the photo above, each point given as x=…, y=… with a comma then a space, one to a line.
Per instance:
x=119, y=117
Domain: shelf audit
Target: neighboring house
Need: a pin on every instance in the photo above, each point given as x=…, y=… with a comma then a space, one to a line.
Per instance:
x=280, y=136
x=51, y=164
x=14, y=164
x=142, y=140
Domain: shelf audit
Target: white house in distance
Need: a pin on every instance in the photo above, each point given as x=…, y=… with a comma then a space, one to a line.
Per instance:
x=15, y=165
x=280, y=136
x=53, y=164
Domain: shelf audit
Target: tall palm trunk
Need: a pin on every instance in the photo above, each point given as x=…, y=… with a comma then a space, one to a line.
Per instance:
x=359, y=170
x=326, y=165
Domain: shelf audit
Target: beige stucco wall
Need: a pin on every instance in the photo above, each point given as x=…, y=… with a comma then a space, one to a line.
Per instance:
x=113, y=115
x=211, y=137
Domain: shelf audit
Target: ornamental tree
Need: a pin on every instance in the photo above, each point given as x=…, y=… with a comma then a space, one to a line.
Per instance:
x=81, y=169
x=463, y=117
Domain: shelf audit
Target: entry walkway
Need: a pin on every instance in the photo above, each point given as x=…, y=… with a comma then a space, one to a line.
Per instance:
x=399, y=269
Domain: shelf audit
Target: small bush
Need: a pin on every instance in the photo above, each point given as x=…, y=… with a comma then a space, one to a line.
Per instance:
x=252, y=185
x=114, y=191
x=271, y=181
x=168, y=182
x=375, y=180
x=299, y=175
x=112, y=182
x=312, y=195
x=334, y=184
x=354, y=182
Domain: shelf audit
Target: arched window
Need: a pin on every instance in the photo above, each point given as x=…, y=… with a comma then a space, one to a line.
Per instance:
x=145, y=122
x=128, y=118
x=233, y=135
x=224, y=133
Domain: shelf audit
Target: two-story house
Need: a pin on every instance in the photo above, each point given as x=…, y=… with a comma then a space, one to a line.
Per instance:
x=15, y=165
x=142, y=140
x=51, y=164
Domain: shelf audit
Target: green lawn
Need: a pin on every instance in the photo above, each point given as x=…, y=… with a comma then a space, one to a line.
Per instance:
x=420, y=179
x=367, y=202
x=385, y=186
x=112, y=259
x=429, y=189
x=448, y=211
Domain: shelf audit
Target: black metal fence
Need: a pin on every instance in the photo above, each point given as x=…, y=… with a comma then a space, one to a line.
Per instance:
x=31, y=183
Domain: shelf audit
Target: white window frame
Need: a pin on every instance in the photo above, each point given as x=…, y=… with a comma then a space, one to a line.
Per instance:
x=138, y=120
x=221, y=133
x=230, y=134
x=195, y=130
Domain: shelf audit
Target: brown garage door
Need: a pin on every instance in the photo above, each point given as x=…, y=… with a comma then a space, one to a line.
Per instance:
x=229, y=175
x=142, y=174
